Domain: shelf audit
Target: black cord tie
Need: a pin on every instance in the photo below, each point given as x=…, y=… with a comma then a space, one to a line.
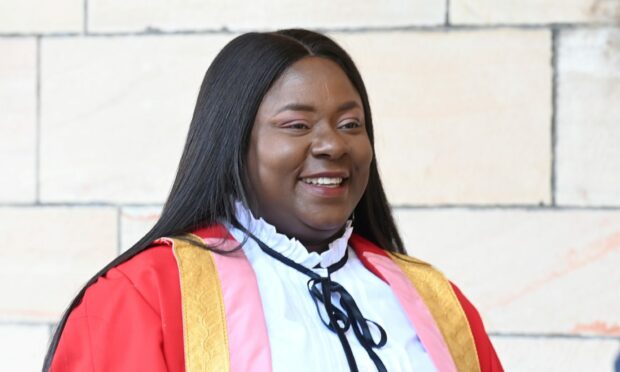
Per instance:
x=339, y=319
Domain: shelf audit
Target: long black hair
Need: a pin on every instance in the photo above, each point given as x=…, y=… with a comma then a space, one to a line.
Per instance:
x=211, y=173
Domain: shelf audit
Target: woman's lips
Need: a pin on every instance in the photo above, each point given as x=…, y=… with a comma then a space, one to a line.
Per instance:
x=325, y=186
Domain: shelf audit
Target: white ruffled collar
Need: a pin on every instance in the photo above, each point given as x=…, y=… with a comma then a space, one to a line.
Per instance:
x=291, y=247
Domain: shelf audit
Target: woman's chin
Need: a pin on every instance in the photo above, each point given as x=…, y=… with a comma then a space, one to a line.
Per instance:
x=322, y=232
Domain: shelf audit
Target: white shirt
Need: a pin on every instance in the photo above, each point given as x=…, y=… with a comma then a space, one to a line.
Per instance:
x=298, y=339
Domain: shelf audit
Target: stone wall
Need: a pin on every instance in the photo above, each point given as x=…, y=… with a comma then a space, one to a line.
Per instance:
x=498, y=138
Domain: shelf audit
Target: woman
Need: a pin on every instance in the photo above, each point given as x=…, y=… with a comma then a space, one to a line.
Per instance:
x=276, y=248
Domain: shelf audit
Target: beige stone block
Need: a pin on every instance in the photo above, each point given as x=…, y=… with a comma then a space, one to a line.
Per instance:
x=557, y=354
x=536, y=271
x=23, y=347
x=533, y=11
x=138, y=15
x=47, y=254
x=460, y=117
x=39, y=16
x=17, y=119
x=115, y=113
x=588, y=117
x=135, y=222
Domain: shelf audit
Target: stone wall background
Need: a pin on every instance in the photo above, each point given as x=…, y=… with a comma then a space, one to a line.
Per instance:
x=498, y=133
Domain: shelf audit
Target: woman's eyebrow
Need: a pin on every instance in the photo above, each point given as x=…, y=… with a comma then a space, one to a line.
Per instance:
x=309, y=108
x=348, y=106
x=296, y=107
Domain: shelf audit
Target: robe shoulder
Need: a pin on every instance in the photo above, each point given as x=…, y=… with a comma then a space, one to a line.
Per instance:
x=435, y=279
x=487, y=357
x=130, y=319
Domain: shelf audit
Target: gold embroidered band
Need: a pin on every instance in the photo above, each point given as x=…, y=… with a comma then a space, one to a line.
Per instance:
x=446, y=309
x=204, y=320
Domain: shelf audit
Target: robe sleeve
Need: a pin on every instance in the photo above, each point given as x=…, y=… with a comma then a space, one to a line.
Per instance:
x=489, y=362
x=129, y=320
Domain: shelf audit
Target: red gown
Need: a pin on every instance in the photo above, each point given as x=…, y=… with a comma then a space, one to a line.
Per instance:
x=131, y=320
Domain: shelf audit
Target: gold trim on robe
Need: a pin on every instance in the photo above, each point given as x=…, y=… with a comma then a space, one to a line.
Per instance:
x=204, y=321
x=206, y=340
x=446, y=309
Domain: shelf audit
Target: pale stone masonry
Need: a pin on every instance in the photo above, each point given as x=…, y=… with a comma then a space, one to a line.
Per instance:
x=553, y=254
x=498, y=138
x=41, y=16
x=534, y=11
x=112, y=101
x=22, y=346
x=557, y=354
x=588, y=114
x=48, y=253
x=139, y=15
x=18, y=76
x=437, y=94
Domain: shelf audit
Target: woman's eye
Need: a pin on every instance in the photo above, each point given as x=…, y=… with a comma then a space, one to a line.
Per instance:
x=298, y=125
x=350, y=125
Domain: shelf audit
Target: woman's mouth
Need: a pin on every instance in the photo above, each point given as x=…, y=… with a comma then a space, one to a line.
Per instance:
x=324, y=181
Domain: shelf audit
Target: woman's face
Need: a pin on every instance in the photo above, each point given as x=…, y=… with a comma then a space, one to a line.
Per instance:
x=309, y=154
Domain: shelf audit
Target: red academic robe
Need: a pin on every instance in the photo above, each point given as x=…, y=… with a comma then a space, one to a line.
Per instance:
x=131, y=319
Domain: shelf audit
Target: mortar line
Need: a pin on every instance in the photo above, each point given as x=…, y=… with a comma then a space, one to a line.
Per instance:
x=554, y=107
x=441, y=27
x=119, y=230
x=79, y=204
x=26, y=323
x=553, y=335
x=85, y=20
x=438, y=207
x=37, y=134
x=507, y=207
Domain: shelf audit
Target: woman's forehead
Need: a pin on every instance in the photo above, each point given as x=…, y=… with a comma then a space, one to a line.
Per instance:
x=311, y=81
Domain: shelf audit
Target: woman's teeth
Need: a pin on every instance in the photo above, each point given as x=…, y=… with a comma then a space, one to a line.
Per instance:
x=324, y=181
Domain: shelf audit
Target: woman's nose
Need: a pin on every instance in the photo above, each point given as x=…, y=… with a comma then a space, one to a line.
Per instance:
x=329, y=142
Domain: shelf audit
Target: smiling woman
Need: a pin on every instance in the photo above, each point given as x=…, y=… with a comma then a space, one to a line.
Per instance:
x=309, y=155
x=276, y=248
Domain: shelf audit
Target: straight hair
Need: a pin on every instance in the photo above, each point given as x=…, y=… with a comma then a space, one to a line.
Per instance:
x=211, y=172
